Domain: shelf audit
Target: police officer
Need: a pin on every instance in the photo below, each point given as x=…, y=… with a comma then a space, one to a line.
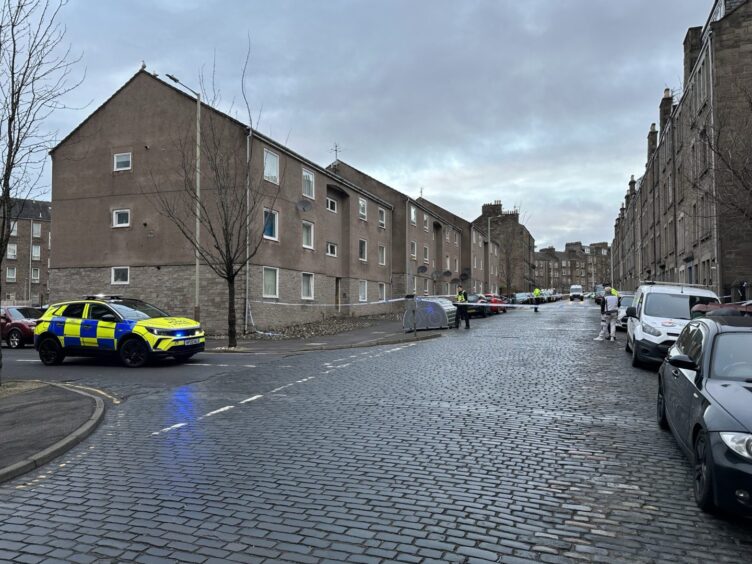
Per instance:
x=461, y=302
x=536, y=295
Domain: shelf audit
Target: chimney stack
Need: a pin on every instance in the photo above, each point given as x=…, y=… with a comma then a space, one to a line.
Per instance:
x=667, y=103
x=692, y=46
x=652, y=140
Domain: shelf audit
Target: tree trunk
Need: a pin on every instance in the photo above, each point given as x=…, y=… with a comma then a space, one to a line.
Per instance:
x=232, y=335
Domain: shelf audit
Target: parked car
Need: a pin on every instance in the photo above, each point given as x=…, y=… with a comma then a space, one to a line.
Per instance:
x=523, y=298
x=703, y=397
x=575, y=293
x=625, y=300
x=110, y=325
x=18, y=323
x=472, y=305
x=657, y=315
x=492, y=298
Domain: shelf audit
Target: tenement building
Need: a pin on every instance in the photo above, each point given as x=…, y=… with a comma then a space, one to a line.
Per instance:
x=246, y=222
x=689, y=217
x=586, y=265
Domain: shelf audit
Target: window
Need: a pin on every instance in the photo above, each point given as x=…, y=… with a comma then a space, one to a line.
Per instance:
x=425, y=286
x=36, y=252
x=382, y=255
x=425, y=254
x=306, y=286
x=382, y=292
x=13, y=228
x=475, y=261
x=12, y=251
x=413, y=215
x=120, y=275
x=308, y=235
x=331, y=249
x=363, y=250
x=413, y=250
x=309, y=188
x=10, y=274
x=35, y=275
x=448, y=263
x=100, y=312
x=74, y=310
x=415, y=285
x=456, y=265
x=271, y=282
x=331, y=205
x=446, y=235
x=456, y=239
x=382, y=218
x=473, y=237
x=481, y=263
x=271, y=219
x=363, y=290
x=271, y=167
x=122, y=161
x=362, y=208
x=36, y=230
x=121, y=218
x=425, y=222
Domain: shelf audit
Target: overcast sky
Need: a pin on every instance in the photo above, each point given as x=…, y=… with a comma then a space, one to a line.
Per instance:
x=542, y=104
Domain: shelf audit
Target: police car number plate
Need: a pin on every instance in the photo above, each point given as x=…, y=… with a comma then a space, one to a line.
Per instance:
x=192, y=341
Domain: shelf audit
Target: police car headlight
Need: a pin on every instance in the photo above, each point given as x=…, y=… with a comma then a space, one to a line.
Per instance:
x=740, y=443
x=650, y=330
x=158, y=332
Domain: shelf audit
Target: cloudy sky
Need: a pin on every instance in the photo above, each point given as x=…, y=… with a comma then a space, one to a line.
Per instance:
x=542, y=104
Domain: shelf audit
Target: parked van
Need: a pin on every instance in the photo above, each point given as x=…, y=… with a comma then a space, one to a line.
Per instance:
x=658, y=313
x=575, y=292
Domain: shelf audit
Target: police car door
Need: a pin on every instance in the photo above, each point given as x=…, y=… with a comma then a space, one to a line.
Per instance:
x=98, y=329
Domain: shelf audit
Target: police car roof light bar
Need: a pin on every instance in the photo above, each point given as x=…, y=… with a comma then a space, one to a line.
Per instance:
x=101, y=297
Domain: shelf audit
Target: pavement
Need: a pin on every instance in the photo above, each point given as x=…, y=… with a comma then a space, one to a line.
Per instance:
x=41, y=424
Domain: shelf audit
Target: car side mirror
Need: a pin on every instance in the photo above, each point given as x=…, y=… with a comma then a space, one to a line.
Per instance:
x=632, y=312
x=108, y=317
x=682, y=361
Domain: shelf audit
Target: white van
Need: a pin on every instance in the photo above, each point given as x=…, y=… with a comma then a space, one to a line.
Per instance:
x=658, y=313
x=575, y=291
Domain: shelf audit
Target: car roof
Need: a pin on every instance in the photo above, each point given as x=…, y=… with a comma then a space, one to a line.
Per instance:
x=678, y=289
x=727, y=324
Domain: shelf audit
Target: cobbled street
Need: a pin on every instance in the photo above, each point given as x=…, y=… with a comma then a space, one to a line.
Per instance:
x=521, y=439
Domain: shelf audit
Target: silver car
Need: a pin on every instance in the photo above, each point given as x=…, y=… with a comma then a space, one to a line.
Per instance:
x=621, y=317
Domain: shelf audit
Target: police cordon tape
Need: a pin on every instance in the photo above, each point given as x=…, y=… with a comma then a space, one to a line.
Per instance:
x=395, y=300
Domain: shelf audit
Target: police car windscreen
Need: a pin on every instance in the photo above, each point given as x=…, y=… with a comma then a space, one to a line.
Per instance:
x=135, y=310
x=674, y=306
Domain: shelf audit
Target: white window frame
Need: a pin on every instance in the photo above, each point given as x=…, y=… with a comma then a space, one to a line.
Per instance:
x=305, y=224
x=276, y=224
x=120, y=282
x=415, y=285
x=276, y=282
x=331, y=205
x=363, y=209
x=313, y=293
x=329, y=246
x=274, y=179
x=382, y=255
x=36, y=230
x=426, y=256
x=413, y=215
x=413, y=250
x=425, y=222
x=362, y=290
x=382, y=218
x=35, y=279
x=446, y=234
x=38, y=254
x=456, y=264
x=115, y=224
x=310, y=173
x=382, y=292
x=363, y=258
x=8, y=277
x=456, y=239
x=8, y=254
x=14, y=229
x=425, y=286
x=117, y=168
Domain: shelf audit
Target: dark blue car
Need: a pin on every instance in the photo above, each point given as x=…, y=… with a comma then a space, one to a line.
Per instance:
x=705, y=398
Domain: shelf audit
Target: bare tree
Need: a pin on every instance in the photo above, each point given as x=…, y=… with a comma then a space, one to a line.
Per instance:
x=35, y=69
x=232, y=199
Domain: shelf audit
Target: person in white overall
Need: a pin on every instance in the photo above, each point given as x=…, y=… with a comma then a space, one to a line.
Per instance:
x=608, y=317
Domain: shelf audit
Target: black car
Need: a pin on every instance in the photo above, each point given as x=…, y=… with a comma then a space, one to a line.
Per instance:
x=474, y=307
x=705, y=398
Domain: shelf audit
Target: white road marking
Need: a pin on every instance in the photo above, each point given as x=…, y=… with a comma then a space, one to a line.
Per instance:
x=166, y=429
x=220, y=410
x=252, y=398
x=249, y=366
x=201, y=364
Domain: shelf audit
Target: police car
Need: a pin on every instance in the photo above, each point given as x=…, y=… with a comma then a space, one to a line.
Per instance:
x=132, y=329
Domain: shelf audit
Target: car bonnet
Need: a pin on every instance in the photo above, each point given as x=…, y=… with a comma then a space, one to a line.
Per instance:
x=169, y=323
x=735, y=398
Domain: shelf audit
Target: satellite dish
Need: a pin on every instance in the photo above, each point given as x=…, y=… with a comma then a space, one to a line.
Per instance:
x=454, y=281
x=304, y=205
x=466, y=270
x=464, y=276
x=447, y=273
x=422, y=269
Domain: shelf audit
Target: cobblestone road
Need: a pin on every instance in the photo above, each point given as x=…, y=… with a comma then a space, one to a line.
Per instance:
x=518, y=440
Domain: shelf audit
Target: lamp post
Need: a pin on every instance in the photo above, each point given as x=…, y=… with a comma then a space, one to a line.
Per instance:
x=196, y=306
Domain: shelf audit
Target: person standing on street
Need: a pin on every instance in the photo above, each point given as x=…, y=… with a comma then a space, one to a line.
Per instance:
x=609, y=311
x=460, y=300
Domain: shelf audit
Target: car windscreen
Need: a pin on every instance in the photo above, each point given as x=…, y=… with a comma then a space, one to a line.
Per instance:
x=520, y=296
x=674, y=306
x=626, y=301
x=25, y=312
x=576, y=289
x=732, y=356
x=135, y=310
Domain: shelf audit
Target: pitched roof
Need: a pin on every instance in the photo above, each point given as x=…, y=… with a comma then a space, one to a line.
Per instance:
x=31, y=209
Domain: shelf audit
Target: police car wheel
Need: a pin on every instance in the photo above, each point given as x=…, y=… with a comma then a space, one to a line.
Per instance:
x=15, y=339
x=134, y=353
x=50, y=351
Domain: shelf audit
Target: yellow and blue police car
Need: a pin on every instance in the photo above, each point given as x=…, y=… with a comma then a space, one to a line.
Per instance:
x=132, y=329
